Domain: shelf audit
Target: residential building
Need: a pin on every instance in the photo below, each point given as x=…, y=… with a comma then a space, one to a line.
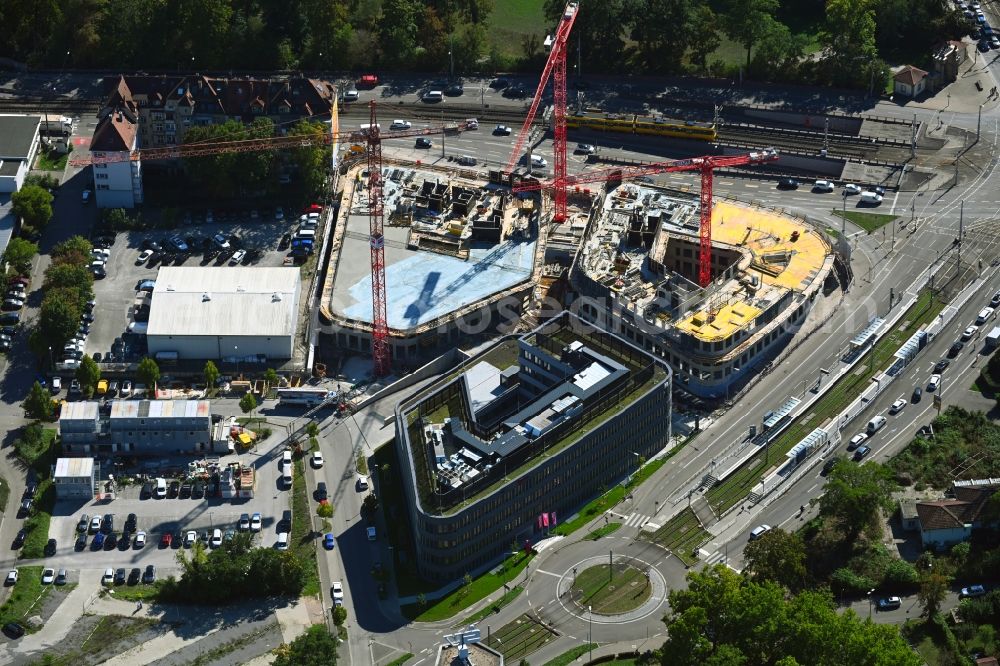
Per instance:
x=75, y=478
x=909, y=81
x=241, y=314
x=951, y=520
x=19, y=141
x=153, y=427
x=497, y=452
x=117, y=181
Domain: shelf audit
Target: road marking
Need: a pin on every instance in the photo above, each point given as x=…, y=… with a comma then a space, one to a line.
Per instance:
x=812, y=488
x=548, y=573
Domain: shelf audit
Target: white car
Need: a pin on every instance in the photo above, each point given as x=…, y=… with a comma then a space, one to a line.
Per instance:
x=337, y=592
x=351, y=96
x=584, y=149
x=101, y=253
x=11, y=577
x=95, y=524
x=140, y=539
x=400, y=125
x=968, y=333
x=897, y=406
x=759, y=531
x=856, y=441
x=237, y=257
x=109, y=577
x=48, y=576
x=190, y=538
x=822, y=186
x=502, y=130
x=317, y=459
x=221, y=241
x=126, y=388
x=143, y=257
x=851, y=188
x=255, y=522
x=56, y=384
x=216, y=538
x=934, y=383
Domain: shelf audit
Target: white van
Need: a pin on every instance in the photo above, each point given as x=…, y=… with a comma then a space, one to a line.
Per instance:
x=161, y=488
x=362, y=482
x=433, y=96
x=538, y=162
x=286, y=457
x=306, y=233
x=871, y=198
x=138, y=327
x=282, y=543
x=286, y=474
x=399, y=124
x=984, y=316
x=876, y=424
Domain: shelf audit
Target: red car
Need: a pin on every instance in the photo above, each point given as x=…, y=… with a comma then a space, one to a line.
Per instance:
x=313, y=208
x=166, y=540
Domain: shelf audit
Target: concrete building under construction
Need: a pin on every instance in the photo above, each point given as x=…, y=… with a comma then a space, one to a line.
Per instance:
x=461, y=256
x=637, y=270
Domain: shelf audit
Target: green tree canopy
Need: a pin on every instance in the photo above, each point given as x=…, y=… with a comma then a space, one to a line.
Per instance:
x=19, y=254
x=316, y=647
x=60, y=317
x=747, y=21
x=32, y=204
x=933, y=590
x=211, y=374
x=76, y=246
x=38, y=403
x=148, y=372
x=723, y=619
x=855, y=494
x=88, y=374
x=248, y=403
x=777, y=556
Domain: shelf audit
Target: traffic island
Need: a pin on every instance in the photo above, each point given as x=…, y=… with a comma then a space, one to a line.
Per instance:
x=611, y=590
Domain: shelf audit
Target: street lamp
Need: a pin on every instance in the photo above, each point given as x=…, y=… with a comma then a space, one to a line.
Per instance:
x=869, y=595
x=590, y=631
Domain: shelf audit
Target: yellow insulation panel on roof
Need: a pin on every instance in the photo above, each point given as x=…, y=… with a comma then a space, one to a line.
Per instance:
x=726, y=322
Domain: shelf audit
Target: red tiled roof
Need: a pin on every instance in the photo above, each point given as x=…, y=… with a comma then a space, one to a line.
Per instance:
x=115, y=132
x=910, y=75
x=963, y=509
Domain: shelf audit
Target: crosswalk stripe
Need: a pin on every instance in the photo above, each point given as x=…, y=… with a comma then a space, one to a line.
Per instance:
x=635, y=519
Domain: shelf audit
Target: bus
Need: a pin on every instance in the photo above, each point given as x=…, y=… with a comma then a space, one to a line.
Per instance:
x=310, y=396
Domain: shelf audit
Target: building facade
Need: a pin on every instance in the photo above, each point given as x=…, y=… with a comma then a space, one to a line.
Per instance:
x=151, y=427
x=19, y=141
x=526, y=445
x=118, y=180
x=75, y=478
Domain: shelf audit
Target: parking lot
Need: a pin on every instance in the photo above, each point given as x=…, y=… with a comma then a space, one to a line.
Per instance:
x=174, y=515
x=260, y=237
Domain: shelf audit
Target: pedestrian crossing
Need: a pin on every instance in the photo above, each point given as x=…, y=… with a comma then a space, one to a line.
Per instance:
x=715, y=557
x=635, y=519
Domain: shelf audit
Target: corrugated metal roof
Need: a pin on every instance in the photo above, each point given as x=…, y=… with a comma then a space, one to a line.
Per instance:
x=250, y=300
x=133, y=409
x=74, y=467
x=85, y=410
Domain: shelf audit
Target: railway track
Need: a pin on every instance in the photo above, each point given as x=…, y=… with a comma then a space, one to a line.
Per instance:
x=764, y=137
x=25, y=105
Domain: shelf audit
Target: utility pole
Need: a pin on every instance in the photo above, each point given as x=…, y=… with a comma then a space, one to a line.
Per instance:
x=913, y=137
x=443, y=133
x=826, y=135
x=961, y=229
x=979, y=120
x=451, y=58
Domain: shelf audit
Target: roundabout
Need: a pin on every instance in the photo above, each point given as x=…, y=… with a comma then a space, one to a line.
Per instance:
x=610, y=590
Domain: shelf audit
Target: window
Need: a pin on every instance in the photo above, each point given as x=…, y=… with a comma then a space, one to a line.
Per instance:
x=103, y=187
x=101, y=176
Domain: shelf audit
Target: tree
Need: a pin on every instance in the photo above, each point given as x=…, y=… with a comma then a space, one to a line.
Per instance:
x=311, y=162
x=324, y=510
x=339, y=615
x=19, y=254
x=248, y=403
x=316, y=647
x=74, y=246
x=312, y=429
x=271, y=377
x=849, y=41
x=777, y=556
x=398, y=30
x=149, y=372
x=722, y=618
x=933, y=590
x=211, y=374
x=38, y=404
x=60, y=317
x=369, y=505
x=704, y=38
x=88, y=374
x=855, y=494
x=598, y=29
x=33, y=205
x=746, y=21
x=659, y=50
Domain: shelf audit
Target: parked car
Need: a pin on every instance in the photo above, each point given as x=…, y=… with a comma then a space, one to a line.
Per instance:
x=11, y=578
x=140, y=540
x=255, y=523
x=862, y=452
x=317, y=459
x=337, y=592
x=50, y=548
x=61, y=577
x=95, y=524
x=321, y=493
x=133, y=576
x=48, y=576
x=149, y=576
x=165, y=539
x=237, y=257
x=120, y=576
x=81, y=525
x=244, y=524
x=13, y=629
x=972, y=591
x=584, y=149
x=328, y=541
x=889, y=603
x=19, y=539
x=190, y=538
x=216, y=540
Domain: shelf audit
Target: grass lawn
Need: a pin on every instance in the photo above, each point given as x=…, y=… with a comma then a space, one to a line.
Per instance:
x=51, y=161
x=4, y=493
x=867, y=221
x=27, y=594
x=302, y=537
x=570, y=656
x=399, y=661
x=138, y=592
x=37, y=525
x=511, y=20
x=465, y=596
x=681, y=535
x=519, y=638
x=112, y=629
x=508, y=597
x=603, y=531
x=626, y=590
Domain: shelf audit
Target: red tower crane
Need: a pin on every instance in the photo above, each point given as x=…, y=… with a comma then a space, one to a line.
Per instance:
x=380, y=322
x=704, y=165
x=555, y=64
